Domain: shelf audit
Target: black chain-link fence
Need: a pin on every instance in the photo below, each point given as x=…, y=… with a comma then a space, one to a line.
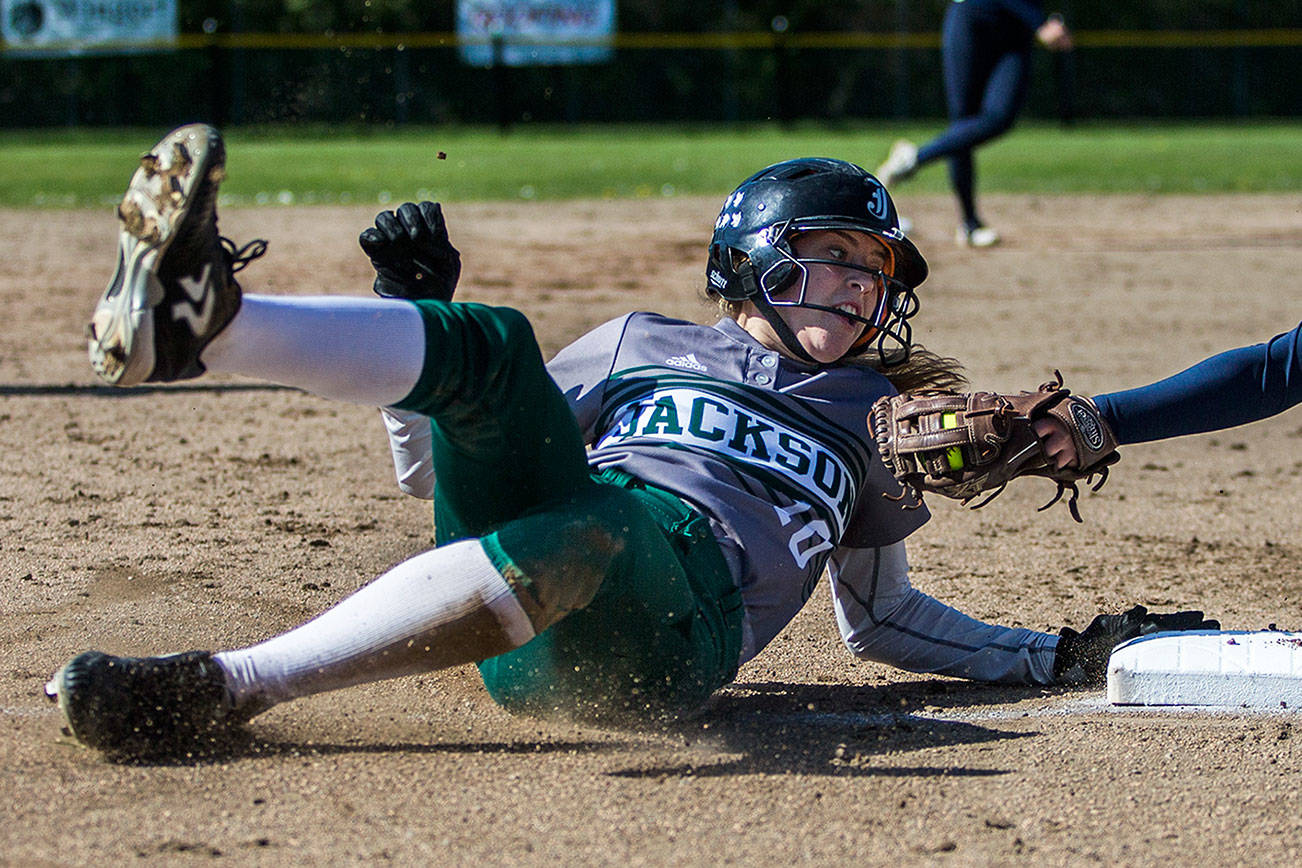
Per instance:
x=656, y=82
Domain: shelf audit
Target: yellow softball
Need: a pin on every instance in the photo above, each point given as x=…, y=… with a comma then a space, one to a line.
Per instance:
x=954, y=454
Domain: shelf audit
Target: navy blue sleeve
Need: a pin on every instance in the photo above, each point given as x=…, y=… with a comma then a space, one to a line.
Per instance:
x=1231, y=388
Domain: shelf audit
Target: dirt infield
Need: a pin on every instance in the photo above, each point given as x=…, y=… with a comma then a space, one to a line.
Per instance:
x=214, y=513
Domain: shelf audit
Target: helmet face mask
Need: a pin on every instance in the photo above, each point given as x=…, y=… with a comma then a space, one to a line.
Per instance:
x=751, y=255
x=887, y=329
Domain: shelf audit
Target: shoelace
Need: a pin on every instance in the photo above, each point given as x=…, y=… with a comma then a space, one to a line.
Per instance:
x=237, y=258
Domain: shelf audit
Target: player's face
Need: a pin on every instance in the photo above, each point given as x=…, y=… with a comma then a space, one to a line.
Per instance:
x=825, y=334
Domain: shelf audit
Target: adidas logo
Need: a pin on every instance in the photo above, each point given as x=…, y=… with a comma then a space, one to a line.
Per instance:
x=688, y=361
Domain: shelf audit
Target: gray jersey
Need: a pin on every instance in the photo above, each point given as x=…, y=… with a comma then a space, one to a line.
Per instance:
x=777, y=455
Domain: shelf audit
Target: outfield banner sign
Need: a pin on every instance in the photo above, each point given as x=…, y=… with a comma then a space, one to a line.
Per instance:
x=69, y=27
x=535, y=32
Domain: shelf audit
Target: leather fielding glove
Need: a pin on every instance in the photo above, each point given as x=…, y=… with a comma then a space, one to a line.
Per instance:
x=970, y=445
x=411, y=253
x=1083, y=657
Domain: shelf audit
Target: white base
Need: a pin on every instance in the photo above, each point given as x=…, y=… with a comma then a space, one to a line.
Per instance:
x=1247, y=669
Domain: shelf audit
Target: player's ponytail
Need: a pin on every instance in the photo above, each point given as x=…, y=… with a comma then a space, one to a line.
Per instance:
x=923, y=370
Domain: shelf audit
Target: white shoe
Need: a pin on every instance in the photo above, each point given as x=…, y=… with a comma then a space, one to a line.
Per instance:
x=900, y=163
x=173, y=289
x=982, y=236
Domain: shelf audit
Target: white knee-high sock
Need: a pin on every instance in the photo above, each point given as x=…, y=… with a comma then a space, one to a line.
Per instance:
x=360, y=350
x=441, y=608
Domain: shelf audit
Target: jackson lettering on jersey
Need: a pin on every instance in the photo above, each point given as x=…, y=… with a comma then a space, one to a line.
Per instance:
x=706, y=417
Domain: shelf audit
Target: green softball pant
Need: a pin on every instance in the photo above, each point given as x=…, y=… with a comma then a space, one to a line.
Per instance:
x=636, y=610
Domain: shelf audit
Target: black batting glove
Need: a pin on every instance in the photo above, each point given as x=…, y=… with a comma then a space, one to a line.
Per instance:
x=1083, y=657
x=412, y=255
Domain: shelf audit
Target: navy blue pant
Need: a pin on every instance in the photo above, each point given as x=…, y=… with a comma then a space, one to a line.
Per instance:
x=1230, y=388
x=987, y=67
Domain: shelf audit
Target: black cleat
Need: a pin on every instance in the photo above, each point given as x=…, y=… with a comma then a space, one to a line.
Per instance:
x=141, y=707
x=173, y=290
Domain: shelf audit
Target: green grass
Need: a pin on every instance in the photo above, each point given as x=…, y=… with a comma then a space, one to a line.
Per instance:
x=311, y=164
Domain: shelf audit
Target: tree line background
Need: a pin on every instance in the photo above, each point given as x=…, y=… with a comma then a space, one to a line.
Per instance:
x=776, y=81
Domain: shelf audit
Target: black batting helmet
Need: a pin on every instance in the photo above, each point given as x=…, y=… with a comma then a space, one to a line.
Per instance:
x=751, y=257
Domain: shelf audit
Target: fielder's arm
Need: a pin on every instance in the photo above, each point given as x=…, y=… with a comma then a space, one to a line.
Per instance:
x=1230, y=388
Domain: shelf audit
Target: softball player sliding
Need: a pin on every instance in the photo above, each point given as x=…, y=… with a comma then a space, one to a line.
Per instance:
x=617, y=531
x=986, y=60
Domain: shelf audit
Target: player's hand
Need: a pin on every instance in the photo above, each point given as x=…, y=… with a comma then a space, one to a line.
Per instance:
x=1082, y=658
x=1056, y=441
x=412, y=255
x=1054, y=35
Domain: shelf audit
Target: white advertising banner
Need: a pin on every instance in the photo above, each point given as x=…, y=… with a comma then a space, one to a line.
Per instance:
x=85, y=26
x=535, y=32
